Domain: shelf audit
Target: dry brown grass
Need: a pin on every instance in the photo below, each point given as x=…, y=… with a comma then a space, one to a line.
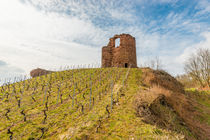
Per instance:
x=161, y=78
x=166, y=90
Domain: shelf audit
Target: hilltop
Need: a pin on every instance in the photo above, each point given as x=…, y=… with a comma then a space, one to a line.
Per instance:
x=103, y=103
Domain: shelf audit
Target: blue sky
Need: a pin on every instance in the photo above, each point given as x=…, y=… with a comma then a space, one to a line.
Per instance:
x=54, y=33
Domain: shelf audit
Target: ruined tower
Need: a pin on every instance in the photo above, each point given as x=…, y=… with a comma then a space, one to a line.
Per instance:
x=123, y=55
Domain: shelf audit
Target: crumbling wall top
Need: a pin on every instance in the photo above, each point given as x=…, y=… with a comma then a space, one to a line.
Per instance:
x=122, y=38
x=121, y=35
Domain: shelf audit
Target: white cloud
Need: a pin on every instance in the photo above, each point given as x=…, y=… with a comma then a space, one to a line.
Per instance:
x=205, y=43
x=204, y=7
x=192, y=49
x=30, y=38
x=48, y=54
x=51, y=33
x=24, y=21
x=90, y=9
x=7, y=71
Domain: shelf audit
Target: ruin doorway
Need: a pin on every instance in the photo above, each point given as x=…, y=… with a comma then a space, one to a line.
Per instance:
x=126, y=65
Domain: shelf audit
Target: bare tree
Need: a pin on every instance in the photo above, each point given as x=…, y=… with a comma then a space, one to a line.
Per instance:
x=154, y=63
x=187, y=81
x=198, y=66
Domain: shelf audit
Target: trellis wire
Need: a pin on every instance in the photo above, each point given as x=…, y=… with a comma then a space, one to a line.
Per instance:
x=96, y=84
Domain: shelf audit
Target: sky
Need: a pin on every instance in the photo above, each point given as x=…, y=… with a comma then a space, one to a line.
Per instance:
x=54, y=33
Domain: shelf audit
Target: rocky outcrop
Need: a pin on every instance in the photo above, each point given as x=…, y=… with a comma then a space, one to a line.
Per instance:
x=163, y=102
x=39, y=72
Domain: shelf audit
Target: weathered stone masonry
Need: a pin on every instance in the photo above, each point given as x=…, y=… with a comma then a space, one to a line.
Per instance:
x=123, y=55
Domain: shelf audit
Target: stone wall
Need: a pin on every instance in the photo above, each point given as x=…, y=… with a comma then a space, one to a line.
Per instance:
x=123, y=55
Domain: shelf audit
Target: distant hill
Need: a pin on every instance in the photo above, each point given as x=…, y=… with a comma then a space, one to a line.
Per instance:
x=103, y=103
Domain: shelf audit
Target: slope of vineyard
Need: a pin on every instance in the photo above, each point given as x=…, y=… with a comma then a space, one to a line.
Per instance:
x=98, y=103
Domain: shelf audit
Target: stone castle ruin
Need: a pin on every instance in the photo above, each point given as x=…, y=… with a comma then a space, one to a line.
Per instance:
x=123, y=55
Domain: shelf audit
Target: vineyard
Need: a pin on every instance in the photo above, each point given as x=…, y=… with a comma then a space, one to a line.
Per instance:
x=85, y=103
x=32, y=107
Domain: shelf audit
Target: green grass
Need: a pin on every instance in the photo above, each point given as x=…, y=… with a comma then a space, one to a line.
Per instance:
x=203, y=98
x=65, y=119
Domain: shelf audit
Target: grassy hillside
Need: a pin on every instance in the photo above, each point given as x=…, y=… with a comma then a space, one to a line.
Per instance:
x=101, y=103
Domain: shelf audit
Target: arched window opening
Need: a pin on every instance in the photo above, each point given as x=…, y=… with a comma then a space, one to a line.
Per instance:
x=117, y=42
